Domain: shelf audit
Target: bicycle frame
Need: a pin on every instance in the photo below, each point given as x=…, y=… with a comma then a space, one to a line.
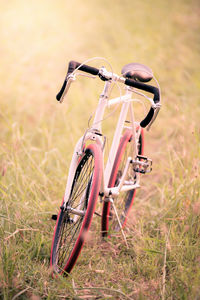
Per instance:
x=94, y=134
x=88, y=179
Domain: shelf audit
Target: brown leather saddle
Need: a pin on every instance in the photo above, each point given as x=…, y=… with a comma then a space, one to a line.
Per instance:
x=137, y=72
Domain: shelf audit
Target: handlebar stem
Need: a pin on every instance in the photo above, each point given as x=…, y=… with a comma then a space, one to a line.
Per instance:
x=104, y=94
x=106, y=75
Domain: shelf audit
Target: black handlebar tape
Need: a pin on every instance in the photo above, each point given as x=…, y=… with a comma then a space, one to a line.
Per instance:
x=145, y=87
x=148, y=118
x=150, y=89
x=85, y=68
x=72, y=66
x=59, y=95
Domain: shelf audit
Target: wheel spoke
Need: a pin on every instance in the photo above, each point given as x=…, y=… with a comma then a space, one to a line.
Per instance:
x=70, y=223
x=66, y=244
x=78, y=189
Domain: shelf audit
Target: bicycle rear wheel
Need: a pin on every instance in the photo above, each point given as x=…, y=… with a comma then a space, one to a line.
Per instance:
x=74, y=221
x=124, y=202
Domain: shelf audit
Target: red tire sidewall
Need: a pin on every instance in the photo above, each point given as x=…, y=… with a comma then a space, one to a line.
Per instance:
x=96, y=183
x=142, y=137
x=106, y=206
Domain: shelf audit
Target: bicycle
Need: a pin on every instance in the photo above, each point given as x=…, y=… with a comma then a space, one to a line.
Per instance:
x=88, y=180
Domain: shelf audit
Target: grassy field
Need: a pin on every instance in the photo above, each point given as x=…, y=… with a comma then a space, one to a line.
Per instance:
x=37, y=136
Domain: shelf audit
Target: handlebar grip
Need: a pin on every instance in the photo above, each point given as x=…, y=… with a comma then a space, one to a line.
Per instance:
x=59, y=95
x=145, y=87
x=148, y=118
x=85, y=68
x=71, y=67
x=148, y=88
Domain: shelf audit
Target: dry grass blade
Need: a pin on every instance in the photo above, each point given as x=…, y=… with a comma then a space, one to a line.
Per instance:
x=19, y=230
x=164, y=265
x=111, y=290
x=20, y=293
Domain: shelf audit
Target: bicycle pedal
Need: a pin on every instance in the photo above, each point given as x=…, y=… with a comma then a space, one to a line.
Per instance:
x=54, y=217
x=142, y=164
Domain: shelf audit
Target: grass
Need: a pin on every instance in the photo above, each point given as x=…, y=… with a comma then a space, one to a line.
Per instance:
x=37, y=137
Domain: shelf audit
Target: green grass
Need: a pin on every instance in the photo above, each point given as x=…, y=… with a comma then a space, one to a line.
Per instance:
x=37, y=137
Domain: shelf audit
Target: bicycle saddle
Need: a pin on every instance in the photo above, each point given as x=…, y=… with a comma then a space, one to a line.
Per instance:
x=137, y=71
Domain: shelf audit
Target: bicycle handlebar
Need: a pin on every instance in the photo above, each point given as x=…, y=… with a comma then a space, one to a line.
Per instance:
x=148, y=88
x=73, y=65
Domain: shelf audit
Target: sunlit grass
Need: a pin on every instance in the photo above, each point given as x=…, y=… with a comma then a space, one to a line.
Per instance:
x=38, y=135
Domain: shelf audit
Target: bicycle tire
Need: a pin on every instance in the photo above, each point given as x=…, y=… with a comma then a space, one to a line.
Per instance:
x=71, y=230
x=124, y=203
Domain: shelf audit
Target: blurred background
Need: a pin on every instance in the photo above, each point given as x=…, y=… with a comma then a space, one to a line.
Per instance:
x=37, y=134
x=38, y=39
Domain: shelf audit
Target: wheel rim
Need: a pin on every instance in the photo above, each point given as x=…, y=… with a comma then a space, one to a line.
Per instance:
x=69, y=225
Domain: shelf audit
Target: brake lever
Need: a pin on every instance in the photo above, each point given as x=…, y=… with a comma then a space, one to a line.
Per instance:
x=156, y=107
x=70, y=78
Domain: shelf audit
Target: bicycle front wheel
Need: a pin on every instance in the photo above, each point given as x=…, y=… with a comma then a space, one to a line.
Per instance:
x=74, y=220
x=125, y=200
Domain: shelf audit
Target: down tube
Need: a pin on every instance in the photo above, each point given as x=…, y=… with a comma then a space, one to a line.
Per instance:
x=115, y=142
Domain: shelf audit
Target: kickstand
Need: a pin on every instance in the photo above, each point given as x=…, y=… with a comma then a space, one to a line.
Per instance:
x=120, y=225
